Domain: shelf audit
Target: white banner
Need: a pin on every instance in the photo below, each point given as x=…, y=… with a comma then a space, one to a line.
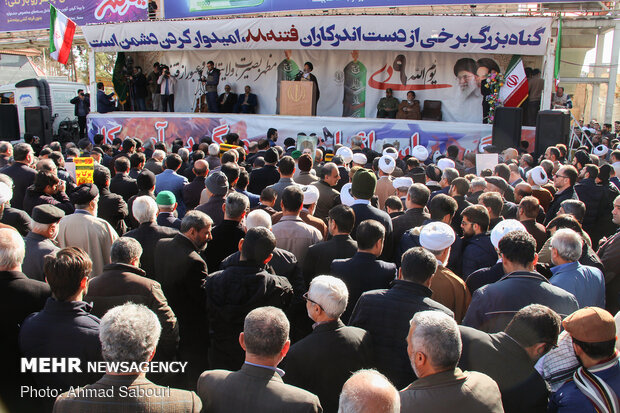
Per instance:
x=526, y=36
x=350, y=83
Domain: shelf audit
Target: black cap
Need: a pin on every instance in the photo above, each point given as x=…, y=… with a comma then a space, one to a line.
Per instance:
x=145, y=180
x=498, y=182
x=84, y=193
x=47, y=214
x=271, y=156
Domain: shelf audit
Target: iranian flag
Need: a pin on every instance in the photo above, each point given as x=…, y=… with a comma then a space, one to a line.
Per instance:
x=515, y=89
x=62, y=30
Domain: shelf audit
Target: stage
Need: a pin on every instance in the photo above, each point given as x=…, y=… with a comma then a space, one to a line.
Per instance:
x=191, y=127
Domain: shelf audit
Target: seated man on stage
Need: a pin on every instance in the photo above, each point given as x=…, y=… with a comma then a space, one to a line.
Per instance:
x=247, y=102
x=410, y=108
x=387, y=106
x=227, y=101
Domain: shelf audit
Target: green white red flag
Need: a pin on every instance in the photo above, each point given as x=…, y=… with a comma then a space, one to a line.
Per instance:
x=515, y=88
x=62, y=30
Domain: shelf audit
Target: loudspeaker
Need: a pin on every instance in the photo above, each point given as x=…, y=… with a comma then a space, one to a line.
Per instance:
x=9, y=122
x=39, y=123
x=552, y=127
x=507, y=127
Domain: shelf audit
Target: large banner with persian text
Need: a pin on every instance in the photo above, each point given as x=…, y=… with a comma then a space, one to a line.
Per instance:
x=17, y=15
x=190, y=128
x=351, y=84
x=526, y=36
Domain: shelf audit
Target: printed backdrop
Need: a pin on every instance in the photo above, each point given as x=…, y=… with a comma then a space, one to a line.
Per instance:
x=436, y=136
x=350, y=83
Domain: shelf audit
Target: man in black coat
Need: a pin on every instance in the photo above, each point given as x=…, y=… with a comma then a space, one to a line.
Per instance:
x=121, y=183
x=458, y=190
x=39, y=241
x=226, y=101
x=386, y=313
x=235, y=291
x=508, y=357
x=19, y=297
x=148, y=232
x=192, y=191
x=82, y=108
x=593, y=195
x=417, y=198
x=493, y=306
x=323, y=361
x=320, y=256
x=478, y=251
x=181, y=272
x=363, y=189
x=226, y=236
x=266, y=175
x=64, y=327
x=111, y=207
x=146, y=187
x=564, y=180
x=364, y=272
x=17, y=219
x=21, y=173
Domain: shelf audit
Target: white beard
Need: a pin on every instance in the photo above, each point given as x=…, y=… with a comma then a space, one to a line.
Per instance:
x=469, y=107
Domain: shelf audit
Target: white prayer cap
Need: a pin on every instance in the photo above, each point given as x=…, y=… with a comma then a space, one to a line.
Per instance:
x=436, y=156
x=345, y=195
x=387, y=164
x=359, y=158
x=539, y=175
x=402, y=182
x=437, y=236
x=346, y=153
x=311, y=194
x=444, y=163
x=420, y=153
x=503, y=228
x=6, y=193
x=600, y=150
x=390, y=151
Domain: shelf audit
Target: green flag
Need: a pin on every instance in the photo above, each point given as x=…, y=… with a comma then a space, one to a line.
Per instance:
x=119, y=80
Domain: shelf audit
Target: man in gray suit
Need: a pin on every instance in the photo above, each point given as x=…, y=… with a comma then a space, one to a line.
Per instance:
x=258, y=386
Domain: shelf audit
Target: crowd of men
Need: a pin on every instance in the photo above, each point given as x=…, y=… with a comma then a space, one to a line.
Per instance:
x=284, y=283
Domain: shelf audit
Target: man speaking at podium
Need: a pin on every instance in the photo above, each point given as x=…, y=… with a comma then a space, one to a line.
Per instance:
x=305, y=75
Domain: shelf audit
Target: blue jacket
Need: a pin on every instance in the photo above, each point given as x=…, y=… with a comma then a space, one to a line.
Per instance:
x=478, y=253
x=103, y=102
x=169, y=180
x=569, y=399
x=585, y=283
x=493, y=306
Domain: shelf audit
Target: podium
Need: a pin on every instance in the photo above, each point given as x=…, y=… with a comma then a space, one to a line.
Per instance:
x=297, y=98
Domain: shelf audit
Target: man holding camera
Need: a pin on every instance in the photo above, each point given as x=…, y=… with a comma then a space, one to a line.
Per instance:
x=167, y=86
x=82, y=108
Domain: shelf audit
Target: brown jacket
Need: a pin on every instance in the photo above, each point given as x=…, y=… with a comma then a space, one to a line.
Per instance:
x=452, y=391
x=451, y=291
x=123, y=283
x=385, y=188
x=252, y=389
x=412, y=112
x=96, y=398
x=308, y=219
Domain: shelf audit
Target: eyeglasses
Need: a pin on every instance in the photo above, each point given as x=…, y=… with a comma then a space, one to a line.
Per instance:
x=559, y=176
x=305, y=296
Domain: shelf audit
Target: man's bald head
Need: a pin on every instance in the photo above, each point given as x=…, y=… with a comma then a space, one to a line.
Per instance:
x=522, y=190
x=201, y=167
x=368, y=391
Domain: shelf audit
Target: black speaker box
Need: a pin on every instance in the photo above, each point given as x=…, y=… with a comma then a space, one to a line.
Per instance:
x=39, y=123
x=507, y=127
x=552, y=127
x=9, y=122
